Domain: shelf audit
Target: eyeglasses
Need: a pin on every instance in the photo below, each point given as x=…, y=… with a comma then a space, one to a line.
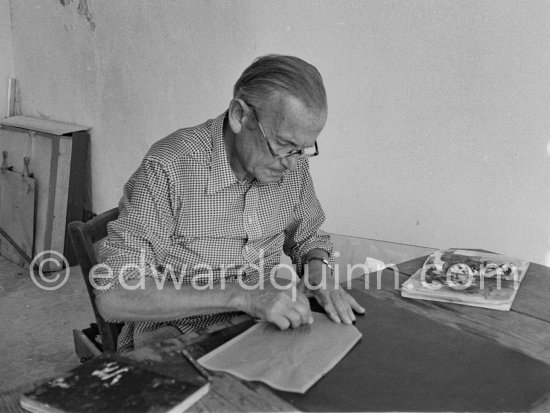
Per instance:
x=299, y=153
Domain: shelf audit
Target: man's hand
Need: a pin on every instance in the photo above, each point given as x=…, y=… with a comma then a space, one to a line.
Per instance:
x=278, y=307
x=318, y=282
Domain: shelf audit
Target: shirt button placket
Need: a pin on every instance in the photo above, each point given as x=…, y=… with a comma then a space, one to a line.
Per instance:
x=249, y=222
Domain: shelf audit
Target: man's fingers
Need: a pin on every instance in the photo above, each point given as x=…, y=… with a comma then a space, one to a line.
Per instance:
x=303, y=309
x=290, y=313
x=290, y=319
x=282, y=322
x=346, y=299
x=327, y=305
x=342, y=306
x=351, y=315
x=355, y=305
x=296, y=319
x=339, y=305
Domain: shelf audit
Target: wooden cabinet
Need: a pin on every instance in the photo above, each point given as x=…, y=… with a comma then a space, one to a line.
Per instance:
x=59, y=164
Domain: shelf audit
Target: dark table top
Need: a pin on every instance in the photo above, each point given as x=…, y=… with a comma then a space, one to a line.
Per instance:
x=520, y=336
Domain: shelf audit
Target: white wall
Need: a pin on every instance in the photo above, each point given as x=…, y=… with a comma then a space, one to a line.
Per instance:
x=6, y=54
x=439, y=110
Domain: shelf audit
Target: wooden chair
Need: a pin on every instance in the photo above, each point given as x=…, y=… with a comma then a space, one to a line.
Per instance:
x=83, y=237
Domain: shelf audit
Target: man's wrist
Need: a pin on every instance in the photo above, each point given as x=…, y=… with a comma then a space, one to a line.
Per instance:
x=320, y=259
x=317, y=257
x=316, y=269
x=316, y=254
x=238, y=298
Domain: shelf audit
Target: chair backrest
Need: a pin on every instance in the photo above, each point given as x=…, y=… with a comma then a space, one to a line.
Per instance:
x=83, y=237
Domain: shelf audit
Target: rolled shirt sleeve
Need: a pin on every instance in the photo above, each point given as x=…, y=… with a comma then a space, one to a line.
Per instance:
x=137, y=241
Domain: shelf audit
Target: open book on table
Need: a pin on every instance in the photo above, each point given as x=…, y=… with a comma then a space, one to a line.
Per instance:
x=478, y=279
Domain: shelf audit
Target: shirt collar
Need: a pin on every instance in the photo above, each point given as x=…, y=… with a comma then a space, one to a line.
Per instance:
x=221, y=174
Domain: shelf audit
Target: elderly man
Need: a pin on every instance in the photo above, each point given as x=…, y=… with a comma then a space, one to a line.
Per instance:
x=205, y=217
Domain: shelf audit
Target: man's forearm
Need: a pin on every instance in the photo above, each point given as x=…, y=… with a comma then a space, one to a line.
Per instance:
x=168, y=303
x=280, y=307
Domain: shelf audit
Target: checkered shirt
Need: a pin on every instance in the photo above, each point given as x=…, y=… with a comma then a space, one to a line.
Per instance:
x=186, y=216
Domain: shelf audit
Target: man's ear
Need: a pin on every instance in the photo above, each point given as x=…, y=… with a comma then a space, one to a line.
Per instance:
x=240, y=116
x=237, y=115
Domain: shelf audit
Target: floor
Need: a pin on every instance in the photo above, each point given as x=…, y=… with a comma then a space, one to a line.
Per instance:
x=37, y=324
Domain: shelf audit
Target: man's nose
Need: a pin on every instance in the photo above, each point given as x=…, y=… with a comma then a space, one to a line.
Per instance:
x=289, y=162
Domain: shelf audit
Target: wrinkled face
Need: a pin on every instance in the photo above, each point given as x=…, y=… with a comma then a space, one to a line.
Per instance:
x=288, y=126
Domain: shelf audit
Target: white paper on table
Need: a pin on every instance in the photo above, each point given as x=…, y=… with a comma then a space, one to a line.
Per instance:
x=291, y=360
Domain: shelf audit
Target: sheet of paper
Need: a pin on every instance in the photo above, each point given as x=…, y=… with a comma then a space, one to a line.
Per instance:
x=291, y=360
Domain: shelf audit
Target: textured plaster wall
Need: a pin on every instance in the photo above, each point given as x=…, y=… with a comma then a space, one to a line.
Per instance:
x=439, y=110
x=6, y=54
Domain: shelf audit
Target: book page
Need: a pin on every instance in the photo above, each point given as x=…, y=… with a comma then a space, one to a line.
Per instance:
x=291, y=360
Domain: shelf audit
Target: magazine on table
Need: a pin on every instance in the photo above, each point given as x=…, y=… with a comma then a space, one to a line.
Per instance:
x=479, y=279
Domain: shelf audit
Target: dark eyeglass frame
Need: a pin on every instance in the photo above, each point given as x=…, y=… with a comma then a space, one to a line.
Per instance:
x=299, y=153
